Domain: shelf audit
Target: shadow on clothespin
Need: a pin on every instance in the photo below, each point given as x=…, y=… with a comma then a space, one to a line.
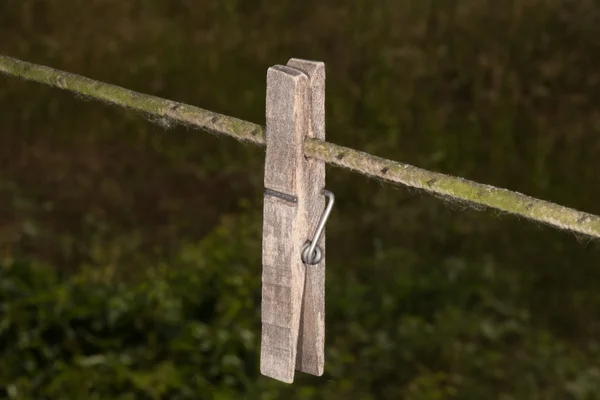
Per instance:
x=293, y=274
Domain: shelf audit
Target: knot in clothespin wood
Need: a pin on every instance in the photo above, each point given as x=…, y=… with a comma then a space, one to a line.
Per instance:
x=293, y=295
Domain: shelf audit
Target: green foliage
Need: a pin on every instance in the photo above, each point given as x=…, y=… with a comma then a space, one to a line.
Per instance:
x=182, y=330
x=190, y=329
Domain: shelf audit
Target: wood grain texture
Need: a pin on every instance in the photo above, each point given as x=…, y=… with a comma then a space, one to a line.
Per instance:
x=284, y=222
x=311, y=340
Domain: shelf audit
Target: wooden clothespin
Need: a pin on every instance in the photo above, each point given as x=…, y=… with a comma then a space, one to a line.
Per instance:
x=293, y=278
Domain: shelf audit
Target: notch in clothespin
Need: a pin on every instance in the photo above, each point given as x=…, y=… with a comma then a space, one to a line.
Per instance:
x=293, y=270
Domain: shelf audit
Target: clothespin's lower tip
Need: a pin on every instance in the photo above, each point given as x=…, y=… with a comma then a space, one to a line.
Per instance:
x=282, y=378
x=270, y=368
x=318, y=372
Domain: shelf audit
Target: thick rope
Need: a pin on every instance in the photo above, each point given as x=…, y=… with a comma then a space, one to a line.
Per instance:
x=449, y=186
x=161, y=109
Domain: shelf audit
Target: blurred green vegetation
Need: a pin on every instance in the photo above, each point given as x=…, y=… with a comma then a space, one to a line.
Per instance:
x=131, y=252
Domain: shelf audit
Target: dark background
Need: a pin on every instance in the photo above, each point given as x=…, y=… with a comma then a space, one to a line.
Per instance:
x=130, y=252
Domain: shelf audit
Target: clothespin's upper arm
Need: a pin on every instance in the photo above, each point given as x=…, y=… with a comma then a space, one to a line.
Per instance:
x=283, y=221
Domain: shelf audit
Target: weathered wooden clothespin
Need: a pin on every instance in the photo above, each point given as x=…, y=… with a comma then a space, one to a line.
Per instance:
x=293, y=274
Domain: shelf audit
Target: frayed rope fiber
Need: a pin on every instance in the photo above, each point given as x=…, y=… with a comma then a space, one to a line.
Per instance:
x=445, y=185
